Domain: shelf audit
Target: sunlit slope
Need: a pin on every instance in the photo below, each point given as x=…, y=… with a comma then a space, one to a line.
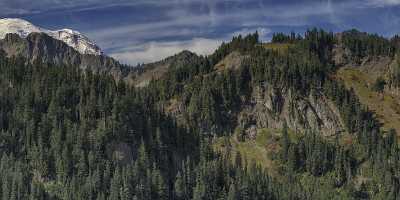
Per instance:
x=385, y=105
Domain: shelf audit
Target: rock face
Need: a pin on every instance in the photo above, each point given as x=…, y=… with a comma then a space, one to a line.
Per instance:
x=271, y=107
x=232, y=61
x=41, y=47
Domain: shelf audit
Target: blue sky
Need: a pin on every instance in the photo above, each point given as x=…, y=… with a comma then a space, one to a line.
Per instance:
x=136, y=31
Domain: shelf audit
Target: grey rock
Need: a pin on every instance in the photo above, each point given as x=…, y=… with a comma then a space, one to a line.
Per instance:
x=274, y=106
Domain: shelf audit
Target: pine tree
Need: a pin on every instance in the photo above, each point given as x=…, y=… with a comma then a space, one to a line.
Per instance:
x=232, y=194
x=292, y=159
x=285, y=142
x=115, y=186
x=199, y=192
x=179, y=187
x=82, y=168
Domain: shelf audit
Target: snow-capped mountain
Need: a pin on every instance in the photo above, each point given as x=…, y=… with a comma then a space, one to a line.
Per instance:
x=72, y=38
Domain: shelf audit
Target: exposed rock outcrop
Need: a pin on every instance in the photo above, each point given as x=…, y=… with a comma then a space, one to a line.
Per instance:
x=273, y=106
x=231, y=61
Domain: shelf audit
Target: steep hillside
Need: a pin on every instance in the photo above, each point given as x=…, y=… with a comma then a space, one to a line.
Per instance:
x=385, y=105
x=360, y=70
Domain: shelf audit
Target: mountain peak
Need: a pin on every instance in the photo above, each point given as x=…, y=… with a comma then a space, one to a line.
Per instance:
x=72, y=38
x=19, y=26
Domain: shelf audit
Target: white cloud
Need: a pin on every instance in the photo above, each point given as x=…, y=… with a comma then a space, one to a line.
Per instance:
x=155, y=51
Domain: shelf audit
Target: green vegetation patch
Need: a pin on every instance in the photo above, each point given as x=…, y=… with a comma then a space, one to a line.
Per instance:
x=263, y=150
x=385, y=106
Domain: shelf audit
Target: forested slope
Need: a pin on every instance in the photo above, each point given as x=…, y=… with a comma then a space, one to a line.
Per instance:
x=73, y=134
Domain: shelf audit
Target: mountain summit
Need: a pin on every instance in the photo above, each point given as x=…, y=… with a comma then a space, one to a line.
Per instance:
x=72, y=38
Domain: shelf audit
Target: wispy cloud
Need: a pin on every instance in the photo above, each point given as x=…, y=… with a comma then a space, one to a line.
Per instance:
x=150, y=27
x=184, y=22
x=383, y=3
x=16, y=7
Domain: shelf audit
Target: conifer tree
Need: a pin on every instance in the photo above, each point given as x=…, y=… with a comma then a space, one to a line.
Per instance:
x=285, y=141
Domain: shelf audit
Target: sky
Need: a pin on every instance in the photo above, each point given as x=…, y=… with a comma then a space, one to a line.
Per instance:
x=143, y=31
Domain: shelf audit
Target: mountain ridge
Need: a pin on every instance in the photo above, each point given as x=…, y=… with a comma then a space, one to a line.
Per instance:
x=73, y=38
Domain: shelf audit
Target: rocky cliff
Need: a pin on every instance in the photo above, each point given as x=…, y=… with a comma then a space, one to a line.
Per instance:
x=272, y=107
